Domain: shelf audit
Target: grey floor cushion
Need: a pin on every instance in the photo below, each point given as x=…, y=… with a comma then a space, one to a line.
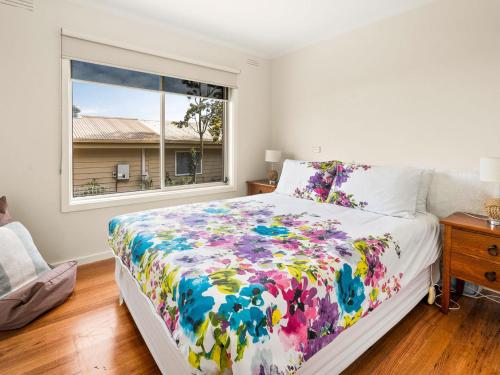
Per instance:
x=16, y=267
x=48, y=290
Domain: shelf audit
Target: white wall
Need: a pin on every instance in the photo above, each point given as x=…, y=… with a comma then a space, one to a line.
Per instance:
x=30, y=117
x=421, y=88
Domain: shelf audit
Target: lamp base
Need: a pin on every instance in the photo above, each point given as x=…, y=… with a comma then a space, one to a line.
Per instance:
x=493, y=223
x=492, y=208
x=272, y=176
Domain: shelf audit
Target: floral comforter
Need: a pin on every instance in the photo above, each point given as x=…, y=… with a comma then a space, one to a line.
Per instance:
x=252, y=286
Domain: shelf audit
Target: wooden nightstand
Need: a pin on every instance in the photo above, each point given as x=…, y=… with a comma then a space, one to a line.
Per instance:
x=259, y=187
x=471, y=252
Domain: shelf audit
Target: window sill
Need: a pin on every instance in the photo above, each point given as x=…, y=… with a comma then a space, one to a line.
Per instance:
x=123, y=199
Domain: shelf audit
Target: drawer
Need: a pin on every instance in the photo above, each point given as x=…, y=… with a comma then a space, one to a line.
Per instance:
x=475, y=270
x=476, y=245
x=259, y=189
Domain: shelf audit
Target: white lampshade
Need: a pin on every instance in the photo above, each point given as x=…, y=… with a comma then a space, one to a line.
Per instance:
x=273, y=156
x=489, y=169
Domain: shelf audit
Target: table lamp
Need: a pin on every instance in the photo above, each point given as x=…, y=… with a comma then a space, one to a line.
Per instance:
x=273, y=156
x=489, y=171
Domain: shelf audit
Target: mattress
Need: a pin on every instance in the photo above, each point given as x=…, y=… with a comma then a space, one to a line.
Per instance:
x=261, y=284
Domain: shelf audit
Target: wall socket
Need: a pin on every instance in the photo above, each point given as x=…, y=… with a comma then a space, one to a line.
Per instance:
x=316, y=149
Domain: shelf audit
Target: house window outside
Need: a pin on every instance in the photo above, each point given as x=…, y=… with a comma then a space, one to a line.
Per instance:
x=184, y=164
x=119, y=118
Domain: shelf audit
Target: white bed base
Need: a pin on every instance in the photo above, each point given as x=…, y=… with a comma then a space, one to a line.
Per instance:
x=332, y=359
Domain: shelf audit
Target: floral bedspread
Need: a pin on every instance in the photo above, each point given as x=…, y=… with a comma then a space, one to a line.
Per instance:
x=244, y=287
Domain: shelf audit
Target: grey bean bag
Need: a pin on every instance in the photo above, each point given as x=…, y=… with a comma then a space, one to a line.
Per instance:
x=48, y=290
x=28, y=286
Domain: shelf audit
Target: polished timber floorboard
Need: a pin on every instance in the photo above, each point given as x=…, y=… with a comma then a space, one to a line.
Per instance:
x=92, y=334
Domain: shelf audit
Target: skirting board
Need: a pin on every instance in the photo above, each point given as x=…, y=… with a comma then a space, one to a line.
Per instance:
x=108, y=254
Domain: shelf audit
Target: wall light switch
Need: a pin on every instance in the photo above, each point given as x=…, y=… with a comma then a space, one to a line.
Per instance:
x=316, y=149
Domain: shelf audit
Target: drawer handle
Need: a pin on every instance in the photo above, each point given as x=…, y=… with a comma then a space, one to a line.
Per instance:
x=493, y=250
x=260, y=191
x=491, y=276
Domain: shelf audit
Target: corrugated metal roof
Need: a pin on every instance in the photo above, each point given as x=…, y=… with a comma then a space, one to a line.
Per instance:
x=129, y=130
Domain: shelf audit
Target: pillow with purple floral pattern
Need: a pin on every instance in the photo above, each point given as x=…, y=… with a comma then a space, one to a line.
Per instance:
x=307, y=179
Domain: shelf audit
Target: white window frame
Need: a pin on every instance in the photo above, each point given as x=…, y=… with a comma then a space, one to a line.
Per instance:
x=70, y=203
x=175, y=163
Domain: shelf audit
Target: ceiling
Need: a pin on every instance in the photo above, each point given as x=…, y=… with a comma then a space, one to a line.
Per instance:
x=267, y=28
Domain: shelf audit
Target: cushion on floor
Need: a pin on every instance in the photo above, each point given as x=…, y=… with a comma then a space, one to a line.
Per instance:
x=22, y=233
x=48, y=290
x=16, y=266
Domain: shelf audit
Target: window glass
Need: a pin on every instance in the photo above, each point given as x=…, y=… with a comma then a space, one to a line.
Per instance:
x=192, y=88
x=115, y=76
x=185, y=163
x=196, y=123
x=116, y=140
x=117, y=131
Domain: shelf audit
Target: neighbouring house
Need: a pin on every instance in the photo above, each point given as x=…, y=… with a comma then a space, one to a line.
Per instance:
x=101, y=144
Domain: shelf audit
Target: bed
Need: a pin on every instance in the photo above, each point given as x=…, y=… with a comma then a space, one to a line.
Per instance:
x=269, y=284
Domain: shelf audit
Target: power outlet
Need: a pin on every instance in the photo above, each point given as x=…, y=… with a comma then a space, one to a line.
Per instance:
x=316, y=149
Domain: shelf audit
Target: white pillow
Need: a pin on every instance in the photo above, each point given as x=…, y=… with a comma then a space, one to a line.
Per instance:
x=16, y=266
x=423, y=190
x=306, y=179
x=381, y=189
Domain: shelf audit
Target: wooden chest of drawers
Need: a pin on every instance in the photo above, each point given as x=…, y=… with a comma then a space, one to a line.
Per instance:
x=471, y=252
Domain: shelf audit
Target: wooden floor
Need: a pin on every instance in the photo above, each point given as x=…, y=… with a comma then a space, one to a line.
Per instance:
x=92, y=334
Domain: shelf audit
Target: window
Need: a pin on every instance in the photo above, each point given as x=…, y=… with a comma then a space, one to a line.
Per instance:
x=185, y=164
x=139, y=132
x=114, y=150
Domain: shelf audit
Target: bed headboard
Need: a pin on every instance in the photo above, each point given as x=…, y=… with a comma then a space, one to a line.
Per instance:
x=456, y=191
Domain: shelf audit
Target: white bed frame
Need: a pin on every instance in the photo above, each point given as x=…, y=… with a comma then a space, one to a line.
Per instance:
x=332, y=359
